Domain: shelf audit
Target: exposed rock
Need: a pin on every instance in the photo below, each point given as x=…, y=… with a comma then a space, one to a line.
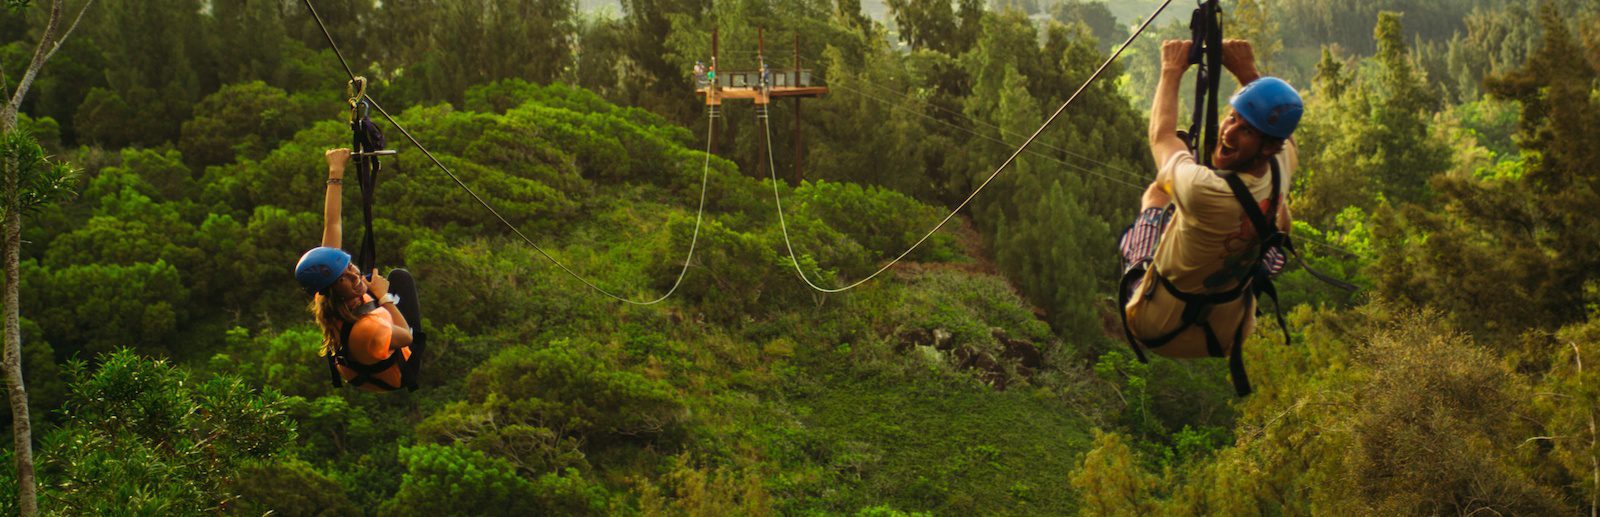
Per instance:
x=1024, y=352
x=990, y=370
x=943, y=339
x=912, y=337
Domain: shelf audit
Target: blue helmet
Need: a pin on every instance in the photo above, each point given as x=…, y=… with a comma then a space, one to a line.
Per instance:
x=320, y=268
x=1269, y=105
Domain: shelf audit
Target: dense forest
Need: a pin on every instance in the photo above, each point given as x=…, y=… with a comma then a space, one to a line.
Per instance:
x=166, y=170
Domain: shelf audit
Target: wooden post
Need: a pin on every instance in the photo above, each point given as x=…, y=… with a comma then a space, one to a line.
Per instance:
x=799, y=138
x=711, y=90
x=761, y=115
x=799, y=145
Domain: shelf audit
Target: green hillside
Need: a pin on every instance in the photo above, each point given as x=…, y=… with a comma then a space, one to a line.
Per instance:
x=169, y=166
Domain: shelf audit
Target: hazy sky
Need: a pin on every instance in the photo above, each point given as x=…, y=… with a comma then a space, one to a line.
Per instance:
x=1128, y=11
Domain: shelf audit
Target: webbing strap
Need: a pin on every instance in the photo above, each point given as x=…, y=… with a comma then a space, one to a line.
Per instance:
x=1133, y=274
x=1205, y=26
x=365, y=139
x=1266, y=227
x=1241, y=382
x=1196, y=310
x=365, y=372
x=1266, y=230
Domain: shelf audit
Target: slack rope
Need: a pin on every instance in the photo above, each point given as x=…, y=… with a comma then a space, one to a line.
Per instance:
x=778, y=200
x=699, y=217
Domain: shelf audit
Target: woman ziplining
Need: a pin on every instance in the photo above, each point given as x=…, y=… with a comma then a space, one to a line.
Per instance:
x=371, y=333
x=362, y=100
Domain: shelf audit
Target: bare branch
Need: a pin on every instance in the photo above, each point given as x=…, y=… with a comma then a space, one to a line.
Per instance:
x=1545, y=438
x=8, y=116
x=63, y=39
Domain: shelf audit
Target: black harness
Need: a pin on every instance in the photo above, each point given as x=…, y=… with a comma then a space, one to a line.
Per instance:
x=1197, y=306
x=366, y=373
x=1206, y=52
x=1205, y=27
x=366, y=143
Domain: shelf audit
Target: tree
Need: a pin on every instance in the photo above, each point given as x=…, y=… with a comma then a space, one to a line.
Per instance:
x=240, y=121
x=152, y=83
x=926, y=24
x=1510, y=248
x=30, y=181
x=1373, y=142
x=143, y=436
x=441, y=48
x=1250, y=20
x=1097, y=17
x=452, y=480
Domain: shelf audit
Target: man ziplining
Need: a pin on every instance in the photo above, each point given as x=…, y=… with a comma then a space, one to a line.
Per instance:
x=1207, y=239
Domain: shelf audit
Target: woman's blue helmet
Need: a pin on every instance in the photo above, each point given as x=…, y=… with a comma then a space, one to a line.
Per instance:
x=1269, y=105
x=320, y=268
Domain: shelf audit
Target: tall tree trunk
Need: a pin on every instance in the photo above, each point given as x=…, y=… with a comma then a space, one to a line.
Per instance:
x=21, y=424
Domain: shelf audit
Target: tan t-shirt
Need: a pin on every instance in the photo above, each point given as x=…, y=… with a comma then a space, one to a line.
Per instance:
x=1208, y=247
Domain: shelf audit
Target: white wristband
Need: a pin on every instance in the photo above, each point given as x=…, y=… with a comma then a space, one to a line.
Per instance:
x=390, y=298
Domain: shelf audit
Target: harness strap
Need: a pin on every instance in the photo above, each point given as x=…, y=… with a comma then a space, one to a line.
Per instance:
x=1267, y=230
x=365, y=138
x=344, y=337
x=1265, y=226
x=1241, y=381
x=365, y=372
x=1124, y=295
x=1205, y=26
x=1196, y=311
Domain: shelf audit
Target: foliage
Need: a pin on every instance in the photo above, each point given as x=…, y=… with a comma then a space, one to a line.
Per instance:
x=575, y=389
x=1371, y=141
x=290, y=487
x=1111, y=480
x=1514, y=239
x=706, y=491
x=241, y=120
x=747, y=392
x=135, y=305
x=138, y=435
x=446, y=480
x=28, y=169
x=448, y=46
x=1431, y=424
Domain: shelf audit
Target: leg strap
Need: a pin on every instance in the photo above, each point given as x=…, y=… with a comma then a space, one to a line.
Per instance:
x=1125, y=288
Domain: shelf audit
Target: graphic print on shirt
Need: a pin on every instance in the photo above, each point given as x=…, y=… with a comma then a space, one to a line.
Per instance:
x=1241, y=250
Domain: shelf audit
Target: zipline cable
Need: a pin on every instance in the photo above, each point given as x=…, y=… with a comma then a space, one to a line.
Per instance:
x=975, y=121
x=778, y=200
x=700, y=215
x=1048, y=157
x=1087, y=170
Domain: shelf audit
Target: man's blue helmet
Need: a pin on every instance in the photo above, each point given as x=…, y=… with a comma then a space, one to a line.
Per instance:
x=320, y=268
x=1269, y=105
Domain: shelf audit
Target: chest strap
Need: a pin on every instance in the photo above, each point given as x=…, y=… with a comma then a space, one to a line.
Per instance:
x=366, y=373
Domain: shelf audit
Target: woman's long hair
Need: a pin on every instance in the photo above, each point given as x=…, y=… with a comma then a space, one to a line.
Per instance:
x=330, y=313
